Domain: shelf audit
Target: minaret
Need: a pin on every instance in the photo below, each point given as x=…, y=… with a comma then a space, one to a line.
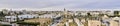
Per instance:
x=64, y=9
x=65, y=13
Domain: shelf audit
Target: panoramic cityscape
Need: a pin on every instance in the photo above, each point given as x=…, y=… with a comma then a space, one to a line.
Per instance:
x=59, y=12
x=59, y=18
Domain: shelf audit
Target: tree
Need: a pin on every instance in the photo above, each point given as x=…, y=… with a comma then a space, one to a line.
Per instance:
x=2, y=15
x=89, y=14
x=116, y=13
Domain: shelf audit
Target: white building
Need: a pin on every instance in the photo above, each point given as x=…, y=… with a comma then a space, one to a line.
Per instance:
x=83, y=14
x=21, y=17
x=94, y=23
x=48, y=16
x=115, y=21
x=10, y=18
x=27, y=16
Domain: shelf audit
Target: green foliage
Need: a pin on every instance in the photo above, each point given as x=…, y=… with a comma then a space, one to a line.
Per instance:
x=89, y=14
x=2, y=14
x=116, y=13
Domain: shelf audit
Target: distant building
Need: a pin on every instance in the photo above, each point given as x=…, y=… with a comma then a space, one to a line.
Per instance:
x=41, y=21
x=105, y=17
x=94, y=13
x=84, y=14
x=21, y=17
x=10, y=18
x=61, y=24
x=5, y=11
x=94, y=23
x=114, y=23
x=27, y=16
x=48, y=16
x=83, y=20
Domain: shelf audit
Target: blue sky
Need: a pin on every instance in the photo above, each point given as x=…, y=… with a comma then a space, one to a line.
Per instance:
x=59, y=4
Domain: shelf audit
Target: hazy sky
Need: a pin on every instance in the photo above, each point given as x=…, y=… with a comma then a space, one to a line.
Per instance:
x=59, y=4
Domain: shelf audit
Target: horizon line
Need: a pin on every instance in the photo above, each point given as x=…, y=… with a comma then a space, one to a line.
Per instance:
x=61, y=9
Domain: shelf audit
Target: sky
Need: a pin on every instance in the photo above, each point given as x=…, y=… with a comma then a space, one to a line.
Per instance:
x=60, y=4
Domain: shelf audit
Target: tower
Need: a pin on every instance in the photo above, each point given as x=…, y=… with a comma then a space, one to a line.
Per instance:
x=65, y=13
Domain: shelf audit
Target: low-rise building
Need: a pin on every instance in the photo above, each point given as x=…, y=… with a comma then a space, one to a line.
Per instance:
x=21, y=17
x=114, y=23
x=42, y=21
x=94, y=23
